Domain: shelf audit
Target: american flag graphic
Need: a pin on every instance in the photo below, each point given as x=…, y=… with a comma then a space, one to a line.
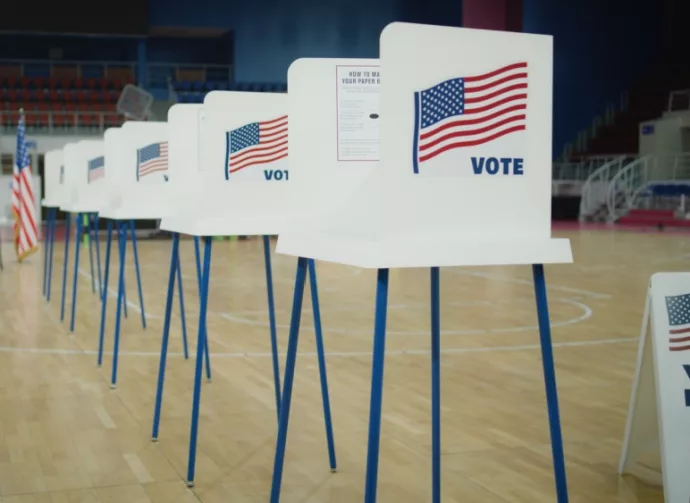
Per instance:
x=152, y=159
x=469, y=111
x=678, y=307
x=96, y=169
x=256, y=143
x=23, y=203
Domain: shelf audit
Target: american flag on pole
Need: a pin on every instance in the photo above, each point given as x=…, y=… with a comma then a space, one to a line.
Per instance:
x=152, y=159
x=469, y=111
x=678, y=308
x=256, y=143
x=23, y=202
x=96, y=169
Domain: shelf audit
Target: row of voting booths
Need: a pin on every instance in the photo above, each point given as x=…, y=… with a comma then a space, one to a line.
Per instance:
x=437, y=154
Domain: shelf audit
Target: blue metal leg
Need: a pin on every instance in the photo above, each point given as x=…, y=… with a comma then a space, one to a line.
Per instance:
x=272, y=322
x=201, y=342
x=104, y=298
x=435, y=386
x=322, y=364
x=174, y=265
x=68, y=217
x=80, y=227
x=289, y=378
x=550, y=383
x=89, y=234
x=46, y=234
x=122, y=229
x=124, y=283
x=136, y=267
x=53, y=215
x=98, y=253
x=376, y=386
x=181, y=295
x=198, y=278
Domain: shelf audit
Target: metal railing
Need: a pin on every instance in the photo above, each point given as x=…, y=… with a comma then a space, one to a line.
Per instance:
x=629, y=183
x=61, y=122
x=578, y=171
x=594, y=190
x=679, y=100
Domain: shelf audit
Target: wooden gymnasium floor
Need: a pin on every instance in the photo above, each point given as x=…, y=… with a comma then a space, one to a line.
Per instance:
x=65, y=437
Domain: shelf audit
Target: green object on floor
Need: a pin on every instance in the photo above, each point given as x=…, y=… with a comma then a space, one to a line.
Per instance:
x=86, y=230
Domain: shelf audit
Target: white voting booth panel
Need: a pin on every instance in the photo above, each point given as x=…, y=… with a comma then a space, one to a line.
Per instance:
x=111, y=148
x=465, y=154
x=72, y=179
x=243, y=154
x=184, y=179
x=659, y=410
x=346, y=138
x=137, y=187
x=86, y=176
x=53, y=168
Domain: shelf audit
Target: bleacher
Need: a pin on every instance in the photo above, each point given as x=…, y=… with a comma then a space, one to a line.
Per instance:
x=62, y=96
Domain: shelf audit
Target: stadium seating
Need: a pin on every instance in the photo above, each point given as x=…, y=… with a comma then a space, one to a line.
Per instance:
x=60, y=97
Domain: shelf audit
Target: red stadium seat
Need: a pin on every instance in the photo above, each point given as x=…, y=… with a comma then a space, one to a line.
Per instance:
x=26, y=95
x=11, y=82
x=12, y=95
x=40, y=95
x=39, y=83
x=42, y=119
x=43, y=106
x=68, y=96
x=83, y=107
x=70, y=107
x=56, y=107
x=54, y=96
x=95, y=97
x=26, y=83
x=113, y=120
x=81, y=96
x=53, y=83
x=63, y=120
x=105, y=84
x=78, y=83
x=66, y=83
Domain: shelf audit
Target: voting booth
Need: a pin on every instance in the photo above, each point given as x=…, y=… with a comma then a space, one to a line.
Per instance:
x=52, y=175
x=242, y=165
x=463, y=178
x=659, y=410
x=243, y=168
x=83, y=172
x=136, y=161
x=84, y=176
x=140, y=164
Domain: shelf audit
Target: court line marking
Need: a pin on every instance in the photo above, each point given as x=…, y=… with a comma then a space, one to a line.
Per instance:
x=398, y=352
x=521, y=281
x=586, y=314
x=112, y=293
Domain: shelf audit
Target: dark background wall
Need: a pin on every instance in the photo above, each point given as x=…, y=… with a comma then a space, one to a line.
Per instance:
x=270, y=34
x=80, y=48
x=601, y=47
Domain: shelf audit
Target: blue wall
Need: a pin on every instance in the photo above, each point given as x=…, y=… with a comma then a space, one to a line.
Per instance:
x=600, y=49
x=179, y=50
x=270, y=34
